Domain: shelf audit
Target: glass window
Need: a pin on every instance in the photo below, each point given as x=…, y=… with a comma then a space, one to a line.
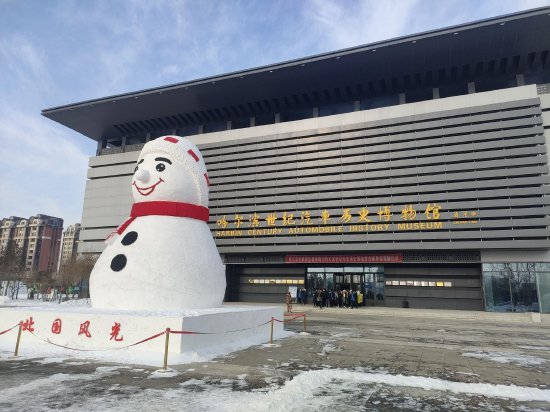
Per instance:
x=263, y=119
x=215, y=126
x=511, y=289
x=335, y=108
x=329, y=278
x=296, y=114
x=379, y=101
x=418, y=95
x=453, y=89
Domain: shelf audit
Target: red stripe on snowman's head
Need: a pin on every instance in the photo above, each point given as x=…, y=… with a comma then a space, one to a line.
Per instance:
x=207, y=180
x=193, y=155
x=171, y=139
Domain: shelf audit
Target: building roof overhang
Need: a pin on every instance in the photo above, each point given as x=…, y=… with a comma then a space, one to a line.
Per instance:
x=501, y=45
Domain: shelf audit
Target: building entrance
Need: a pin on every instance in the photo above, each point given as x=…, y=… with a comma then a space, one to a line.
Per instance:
x=367, y=279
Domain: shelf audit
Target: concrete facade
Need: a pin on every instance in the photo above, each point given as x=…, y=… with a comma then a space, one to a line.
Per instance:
x=39, y=238
x=70, y=243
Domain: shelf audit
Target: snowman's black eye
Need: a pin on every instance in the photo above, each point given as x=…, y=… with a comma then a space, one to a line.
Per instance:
x=160, y=167
x=135, y=169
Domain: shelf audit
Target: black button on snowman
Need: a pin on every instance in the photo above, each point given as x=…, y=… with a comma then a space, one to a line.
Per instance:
x=163, y=257
x=119, y=261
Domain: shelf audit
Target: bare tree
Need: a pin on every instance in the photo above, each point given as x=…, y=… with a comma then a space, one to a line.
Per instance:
x=76, y=272
x=12, y=267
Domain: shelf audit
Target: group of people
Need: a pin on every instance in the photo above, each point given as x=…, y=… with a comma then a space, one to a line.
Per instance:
x=323, y=298
x=337, y=298
x=53, y=293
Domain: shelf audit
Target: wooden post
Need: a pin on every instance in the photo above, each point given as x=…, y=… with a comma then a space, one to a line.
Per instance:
x=271, y=335
x=305, y=323
x=166, y=341
x=18, y=338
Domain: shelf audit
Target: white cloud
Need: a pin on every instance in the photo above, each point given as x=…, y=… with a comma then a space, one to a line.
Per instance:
x=43, y=169
x=24, y=66
x=344, y=24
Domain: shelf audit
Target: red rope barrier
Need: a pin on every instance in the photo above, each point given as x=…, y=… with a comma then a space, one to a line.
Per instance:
x=7, y=330
x=188, y=332
x=301, y=315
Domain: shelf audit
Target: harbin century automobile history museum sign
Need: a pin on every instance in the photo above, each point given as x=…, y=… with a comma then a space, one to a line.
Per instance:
x=355, y=221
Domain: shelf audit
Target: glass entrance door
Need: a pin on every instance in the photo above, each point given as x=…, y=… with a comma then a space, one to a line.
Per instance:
x=369, y=280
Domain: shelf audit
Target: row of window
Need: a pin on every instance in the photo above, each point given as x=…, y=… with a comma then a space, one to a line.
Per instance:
x=421, y=283
x=276, y=281
x=338, y=107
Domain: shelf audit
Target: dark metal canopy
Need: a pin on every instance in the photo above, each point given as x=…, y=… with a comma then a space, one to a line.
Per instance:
x=504, y=45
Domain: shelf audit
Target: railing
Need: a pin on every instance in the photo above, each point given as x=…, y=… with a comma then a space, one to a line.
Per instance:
x=121, y=149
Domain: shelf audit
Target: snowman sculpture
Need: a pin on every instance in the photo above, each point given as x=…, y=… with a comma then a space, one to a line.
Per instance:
x=163, y=257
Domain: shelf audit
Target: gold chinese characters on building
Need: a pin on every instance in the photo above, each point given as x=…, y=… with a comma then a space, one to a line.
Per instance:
x=385, y=219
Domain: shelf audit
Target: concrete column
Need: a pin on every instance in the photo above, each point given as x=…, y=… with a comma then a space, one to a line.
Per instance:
x=228, y=125
x=356, y=105
x=277, y=117
x=315, y=112
x=471, y=87
x=147, y=137
x=252, y=121
x=435, y=93
x=402, y=98
x=520, y=79
x=201, y=129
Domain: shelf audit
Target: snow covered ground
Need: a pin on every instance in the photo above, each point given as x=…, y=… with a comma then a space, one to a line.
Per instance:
x=341, y=364
x=325, y=389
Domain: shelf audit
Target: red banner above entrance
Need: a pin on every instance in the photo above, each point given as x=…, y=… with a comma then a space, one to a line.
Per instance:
x=385, y=258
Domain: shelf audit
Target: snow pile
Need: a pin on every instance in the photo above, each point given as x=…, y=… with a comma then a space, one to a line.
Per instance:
x=506, y=357
x=161, y=373
x=334, y=389
x=534, y=347
x=5, y=300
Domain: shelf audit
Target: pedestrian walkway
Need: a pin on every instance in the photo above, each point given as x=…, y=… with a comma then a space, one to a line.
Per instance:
x=478, y=316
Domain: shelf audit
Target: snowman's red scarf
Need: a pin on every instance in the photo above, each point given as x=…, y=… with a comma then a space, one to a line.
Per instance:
x=160, y=208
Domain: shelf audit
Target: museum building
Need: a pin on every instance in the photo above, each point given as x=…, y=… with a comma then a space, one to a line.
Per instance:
x=413, y=169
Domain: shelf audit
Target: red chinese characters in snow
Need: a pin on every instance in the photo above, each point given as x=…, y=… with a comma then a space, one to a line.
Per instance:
x=115, y=330
x=28, y=324
x=56, y=326
x=84, y=329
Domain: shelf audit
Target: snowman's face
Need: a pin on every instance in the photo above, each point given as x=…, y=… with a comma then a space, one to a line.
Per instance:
x=157, y=177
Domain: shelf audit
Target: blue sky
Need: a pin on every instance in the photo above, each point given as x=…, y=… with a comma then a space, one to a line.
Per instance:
x=59, y=52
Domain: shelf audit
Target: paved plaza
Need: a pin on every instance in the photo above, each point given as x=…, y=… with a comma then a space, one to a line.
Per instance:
x=366, y=359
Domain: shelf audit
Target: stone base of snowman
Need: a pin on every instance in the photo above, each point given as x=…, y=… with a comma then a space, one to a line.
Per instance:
x=80, y=331
x=160, y=269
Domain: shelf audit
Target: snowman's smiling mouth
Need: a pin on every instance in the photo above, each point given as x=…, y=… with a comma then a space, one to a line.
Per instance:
x=146, y=191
